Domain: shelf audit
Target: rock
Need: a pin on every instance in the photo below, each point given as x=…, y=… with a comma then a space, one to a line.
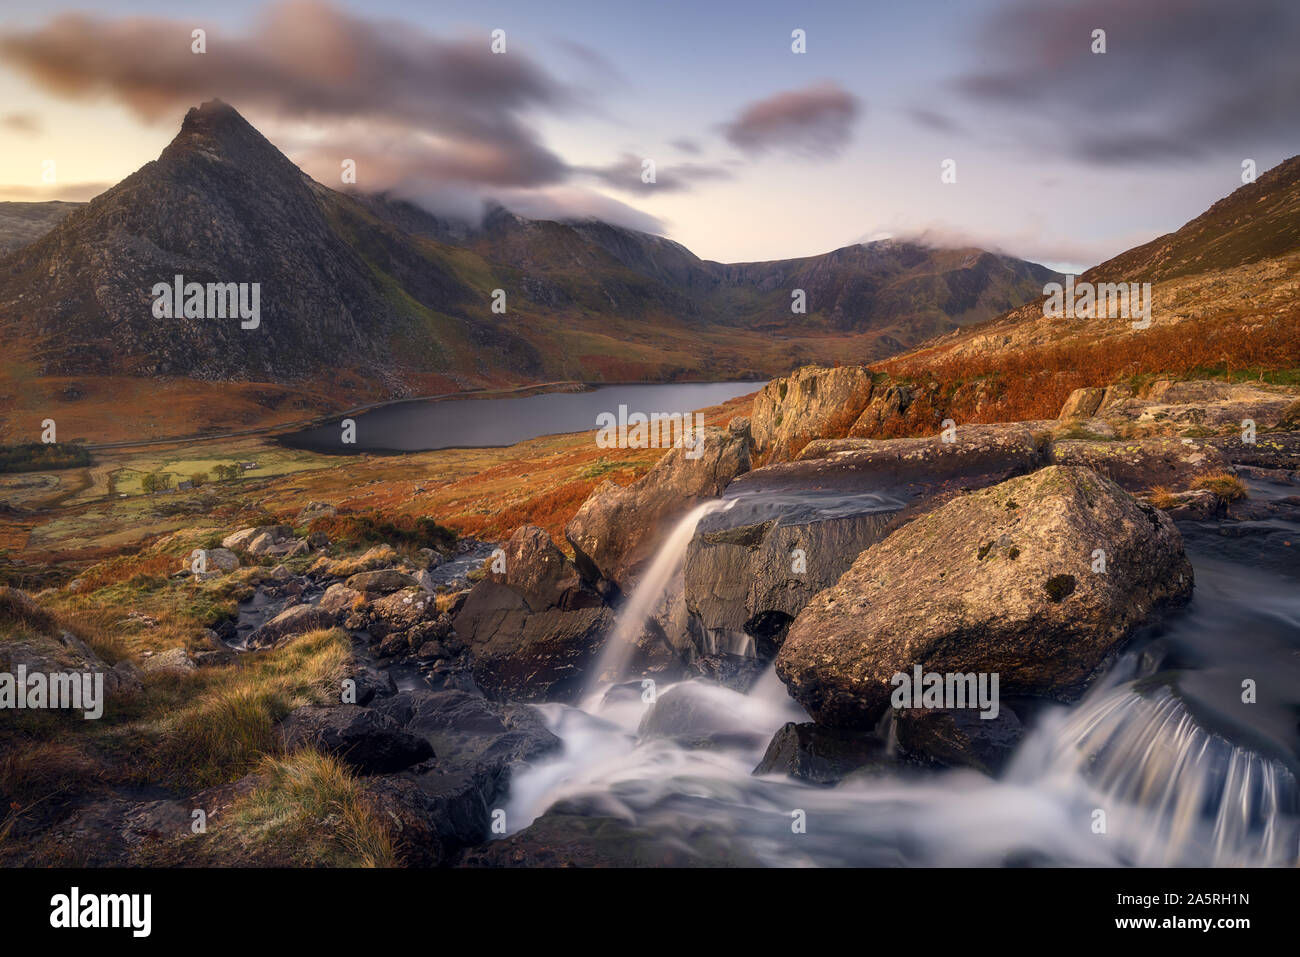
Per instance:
x=997, y=581
x=810, y=403
x=435, y=629
x=617, y=529
x=314, y=510
x=245, y=536
x=821, y=756
x=435, y=813
x=747, y=578
x=366, y=739
x=467, y=731
x=339, y=599
x=532, y=631
x=401, y=610
x=279, y=574
x=318, y=540
x=221, y=560
x=1194, y=504
x=885, y=413
x=958, y=737
x=293, y=621
x=699, y=714
x=394, y=644
x=1141, y=464
x=1270, y=450
x=175, y=660
x=384, y=581
x=1082, y=404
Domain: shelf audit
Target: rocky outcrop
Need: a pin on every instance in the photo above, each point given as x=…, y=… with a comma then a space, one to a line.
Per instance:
x=1142, y=464
x=617, y=528
x=1270, y=450
x=1082, y=403
x=292, y=621
x=750, y=580
x=382, y=581
x=364, y=738
x=810, y=403
x=1005, y=580
x=533, y=629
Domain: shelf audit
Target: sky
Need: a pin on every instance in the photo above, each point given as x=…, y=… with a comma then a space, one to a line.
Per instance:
x=1062, y=155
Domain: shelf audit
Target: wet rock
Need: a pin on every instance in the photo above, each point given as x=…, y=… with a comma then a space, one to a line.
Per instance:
x=467, y=731
x=383, y=581
x=366, y=739
x=400, y=611
x=617, y=529
x=697, y=714
x=811, y=403
x=290, y=622
x=737, y=672
x=821, y=756
x=1001, y=580
x=753, y=579
x=394, y=645
x=533, y=630
x=1003, y=450
x=436, y=629
x=959, y=737
x=435, y=812
x=1141, y=464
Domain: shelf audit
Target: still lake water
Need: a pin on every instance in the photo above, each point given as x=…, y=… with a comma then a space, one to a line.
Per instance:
x=424, y=424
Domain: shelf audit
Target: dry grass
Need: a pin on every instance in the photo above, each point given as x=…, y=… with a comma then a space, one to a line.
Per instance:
x=309, y=809
x=1034, y=382
x=1225, y=486
x=1163, y=498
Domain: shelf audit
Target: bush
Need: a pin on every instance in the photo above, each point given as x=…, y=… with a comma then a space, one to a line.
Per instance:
x=41, y=457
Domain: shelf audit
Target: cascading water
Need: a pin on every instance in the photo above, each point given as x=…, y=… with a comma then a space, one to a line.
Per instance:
x=648, y=594
x=1143, y=746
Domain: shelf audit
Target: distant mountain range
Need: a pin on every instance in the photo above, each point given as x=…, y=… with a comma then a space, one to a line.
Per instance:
x=372, y=288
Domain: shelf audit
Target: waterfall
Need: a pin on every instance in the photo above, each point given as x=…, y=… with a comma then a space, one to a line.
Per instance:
x=647, y=595
x=1174, y=793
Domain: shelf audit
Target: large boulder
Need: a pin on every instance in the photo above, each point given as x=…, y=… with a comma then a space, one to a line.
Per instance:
x=292, y=621
x=533, y=629
x=1142, y=464
x=382, y=581
x=271, y=534
x=1004, y=580
x=810, y=403
x=744, y=582
x=822, y=756
x=617, y=529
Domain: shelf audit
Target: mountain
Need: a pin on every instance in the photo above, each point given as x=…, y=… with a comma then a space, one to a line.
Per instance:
x=373, y=293
x=1225, y=301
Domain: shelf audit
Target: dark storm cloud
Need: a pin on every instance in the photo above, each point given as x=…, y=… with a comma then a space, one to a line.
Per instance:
x=1179, y=78
x=815, y=122
x=626, y=175
x=309, y=60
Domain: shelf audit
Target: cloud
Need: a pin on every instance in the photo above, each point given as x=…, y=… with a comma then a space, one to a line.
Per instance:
x=309, y=61
x=934, y=120
x=575, y=203
x=815, y=122
x=26, y=123
x=68, y=192
x=1180, y=78
x=686, y=145
x=625, y=174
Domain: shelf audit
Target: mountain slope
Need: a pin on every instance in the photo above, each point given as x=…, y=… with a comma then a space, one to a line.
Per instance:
x=374, y=291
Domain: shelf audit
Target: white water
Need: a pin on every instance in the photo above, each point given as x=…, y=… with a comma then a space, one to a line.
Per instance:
x=648, y=594
x=1174, y=792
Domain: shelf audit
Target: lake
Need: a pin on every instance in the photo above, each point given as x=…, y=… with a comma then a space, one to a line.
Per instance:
x=425, y=424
